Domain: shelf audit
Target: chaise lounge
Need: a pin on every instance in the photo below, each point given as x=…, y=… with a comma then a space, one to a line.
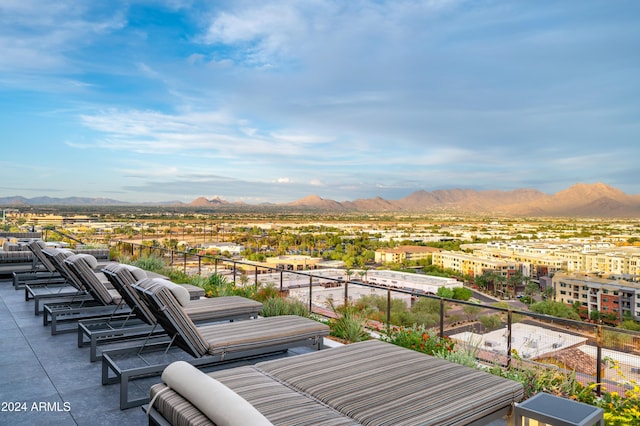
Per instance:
x=129, y=332
x=208, y=344
x=100, y=300
x=366, y=383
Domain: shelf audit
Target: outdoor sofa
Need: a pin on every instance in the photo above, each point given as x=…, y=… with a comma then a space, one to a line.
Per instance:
x=14, y=256
x=367, y=383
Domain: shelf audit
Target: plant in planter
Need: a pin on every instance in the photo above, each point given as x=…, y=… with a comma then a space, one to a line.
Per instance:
x=419, y=339
x=349, y=324
x=278, y=305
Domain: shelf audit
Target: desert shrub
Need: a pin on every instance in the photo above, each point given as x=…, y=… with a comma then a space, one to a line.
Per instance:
x=349, y=323
x=218, y=285
x=266, y=292
x=490, y=322
x=275, y=306
x=149, y=263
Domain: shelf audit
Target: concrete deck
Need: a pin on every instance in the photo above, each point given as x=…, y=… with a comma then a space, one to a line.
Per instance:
x=47, y=379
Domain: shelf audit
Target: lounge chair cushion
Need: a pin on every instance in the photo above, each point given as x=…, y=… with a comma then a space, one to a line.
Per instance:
x=85, y=265
x=220, y=307
x=269, y=331
x=180, y=293
x=229, y=409
x=381, y=383
x=37, y=246
x=278, y=403
x=138, y=273
x=123, y=277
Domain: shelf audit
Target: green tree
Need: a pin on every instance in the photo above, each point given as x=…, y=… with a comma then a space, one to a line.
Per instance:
x=447, y=293
x=462, y=293
x=556, y=309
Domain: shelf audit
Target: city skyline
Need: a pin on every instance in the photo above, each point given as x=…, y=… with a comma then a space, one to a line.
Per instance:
x=274, y=101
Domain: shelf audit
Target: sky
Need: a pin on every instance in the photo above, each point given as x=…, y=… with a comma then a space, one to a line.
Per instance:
x=272, y=101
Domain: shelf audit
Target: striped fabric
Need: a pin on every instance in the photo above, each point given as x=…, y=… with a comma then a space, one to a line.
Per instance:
x=221, y=307
x=280, y=404
x=98, y=253
x=210, y=309
x=377, y=383
x=219, y=339
x=36, y=247
x=172, y=317
x=16, y=256
x=57, y=257
x=122, y=278
x=369, y=383
x=82, y=265
x=263, y=332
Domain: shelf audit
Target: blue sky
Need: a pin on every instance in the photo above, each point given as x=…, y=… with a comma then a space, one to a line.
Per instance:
x=267, y=101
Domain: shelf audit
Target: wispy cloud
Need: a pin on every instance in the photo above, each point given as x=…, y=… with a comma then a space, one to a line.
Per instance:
x=275, y=100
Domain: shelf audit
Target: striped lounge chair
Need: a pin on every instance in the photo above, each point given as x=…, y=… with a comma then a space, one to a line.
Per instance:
x=97, y=333
x=101, y=299
x=212, y=343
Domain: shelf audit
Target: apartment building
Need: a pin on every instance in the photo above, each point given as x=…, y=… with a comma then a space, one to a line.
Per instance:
x=594, y=293
x=404, y=253
x=470, y=264
x=541, y=258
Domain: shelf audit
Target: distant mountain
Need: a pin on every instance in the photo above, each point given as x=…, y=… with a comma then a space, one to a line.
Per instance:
x=590, y=200
x=581, y=199
x=315, y=202
x=204, y=202
x=213, y=202
x=52, y=201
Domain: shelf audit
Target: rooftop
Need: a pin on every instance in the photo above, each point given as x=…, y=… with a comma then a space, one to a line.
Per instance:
x=47, y=379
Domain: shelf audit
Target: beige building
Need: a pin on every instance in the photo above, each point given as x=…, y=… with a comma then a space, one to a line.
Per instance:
x=470, y=264
x=404, y=253
x=539, y=258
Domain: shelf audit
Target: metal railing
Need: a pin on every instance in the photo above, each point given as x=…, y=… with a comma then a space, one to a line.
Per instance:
x=497, y=334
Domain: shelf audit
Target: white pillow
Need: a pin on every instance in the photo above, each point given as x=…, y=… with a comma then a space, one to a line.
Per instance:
x=220, y=404
x=90, y=260
x=138, y=273
x=180, y=293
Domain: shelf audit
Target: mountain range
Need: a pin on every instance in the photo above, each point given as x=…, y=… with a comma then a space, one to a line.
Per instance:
x=580, y=200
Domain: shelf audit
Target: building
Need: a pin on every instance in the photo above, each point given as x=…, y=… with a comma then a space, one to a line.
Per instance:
x=231, y=248
x=469, y=264
x=597, y=294
x=404, y=253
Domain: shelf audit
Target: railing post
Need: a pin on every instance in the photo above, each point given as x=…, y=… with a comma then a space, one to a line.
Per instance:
x=199, y=265
x=599, y=339
x=215, y=265
x=441, y=317
x=346, y=293
x=310, y=293
x=184, y=262
x=171, y=257
x=281, y=281
x=234, y=272
x=388, y=308
x=509, y=321
x=256, y=277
